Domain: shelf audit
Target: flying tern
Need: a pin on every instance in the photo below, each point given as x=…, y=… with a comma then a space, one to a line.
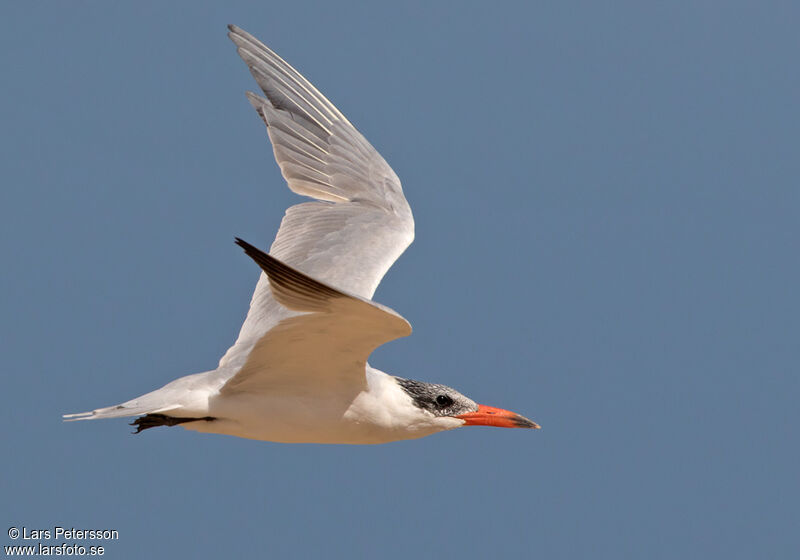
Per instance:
x=298, y=372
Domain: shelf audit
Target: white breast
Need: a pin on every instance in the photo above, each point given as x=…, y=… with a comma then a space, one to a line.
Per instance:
x=381, y=413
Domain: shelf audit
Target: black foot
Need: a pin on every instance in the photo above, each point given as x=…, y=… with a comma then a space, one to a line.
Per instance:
x=155, y=420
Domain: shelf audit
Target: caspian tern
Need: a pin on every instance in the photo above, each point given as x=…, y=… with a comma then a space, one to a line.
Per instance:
x=298, y=371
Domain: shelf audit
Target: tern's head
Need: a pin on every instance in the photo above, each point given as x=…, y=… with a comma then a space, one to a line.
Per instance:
x=441, y=401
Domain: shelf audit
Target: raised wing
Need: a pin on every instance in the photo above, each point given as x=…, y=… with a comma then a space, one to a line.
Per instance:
x=359, y=224
x=328, y=345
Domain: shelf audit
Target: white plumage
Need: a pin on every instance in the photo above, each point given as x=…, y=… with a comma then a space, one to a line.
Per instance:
x=298, y=371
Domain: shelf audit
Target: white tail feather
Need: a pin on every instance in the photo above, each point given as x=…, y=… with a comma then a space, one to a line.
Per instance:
x=169, y=398
x=118, y=411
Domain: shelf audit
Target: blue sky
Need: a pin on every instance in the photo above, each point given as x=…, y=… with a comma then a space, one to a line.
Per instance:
x=608, y=212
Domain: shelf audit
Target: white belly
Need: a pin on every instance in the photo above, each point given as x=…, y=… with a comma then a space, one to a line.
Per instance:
x=377, y=412
x=292, y=419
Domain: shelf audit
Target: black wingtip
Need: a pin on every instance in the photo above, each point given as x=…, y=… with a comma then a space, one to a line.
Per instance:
x=234, y=32
x=254, y=253
x=281, y=274
x=243, y=244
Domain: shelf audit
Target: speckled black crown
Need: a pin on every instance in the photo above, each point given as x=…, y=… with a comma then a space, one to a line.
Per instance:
x=439, y=400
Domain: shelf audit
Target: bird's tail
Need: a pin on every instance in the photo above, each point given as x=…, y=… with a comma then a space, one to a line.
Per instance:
x=118, y=411
x=171, y=398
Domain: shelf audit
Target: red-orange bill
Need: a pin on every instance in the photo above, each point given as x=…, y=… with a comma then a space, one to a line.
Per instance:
x=491, y=416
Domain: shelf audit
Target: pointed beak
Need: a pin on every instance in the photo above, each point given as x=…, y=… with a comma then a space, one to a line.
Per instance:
x=491, y=416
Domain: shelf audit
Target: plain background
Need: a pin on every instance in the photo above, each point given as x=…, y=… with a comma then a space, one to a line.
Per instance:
x=607, y=209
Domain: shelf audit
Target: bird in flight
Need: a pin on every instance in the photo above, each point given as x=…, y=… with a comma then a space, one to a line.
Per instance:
x=298, y=372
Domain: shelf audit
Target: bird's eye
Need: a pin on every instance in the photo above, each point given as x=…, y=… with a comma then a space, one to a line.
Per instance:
x=444, y=400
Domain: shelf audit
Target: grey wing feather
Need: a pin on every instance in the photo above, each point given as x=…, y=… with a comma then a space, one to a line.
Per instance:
x=319, y=152
x=359, y=224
